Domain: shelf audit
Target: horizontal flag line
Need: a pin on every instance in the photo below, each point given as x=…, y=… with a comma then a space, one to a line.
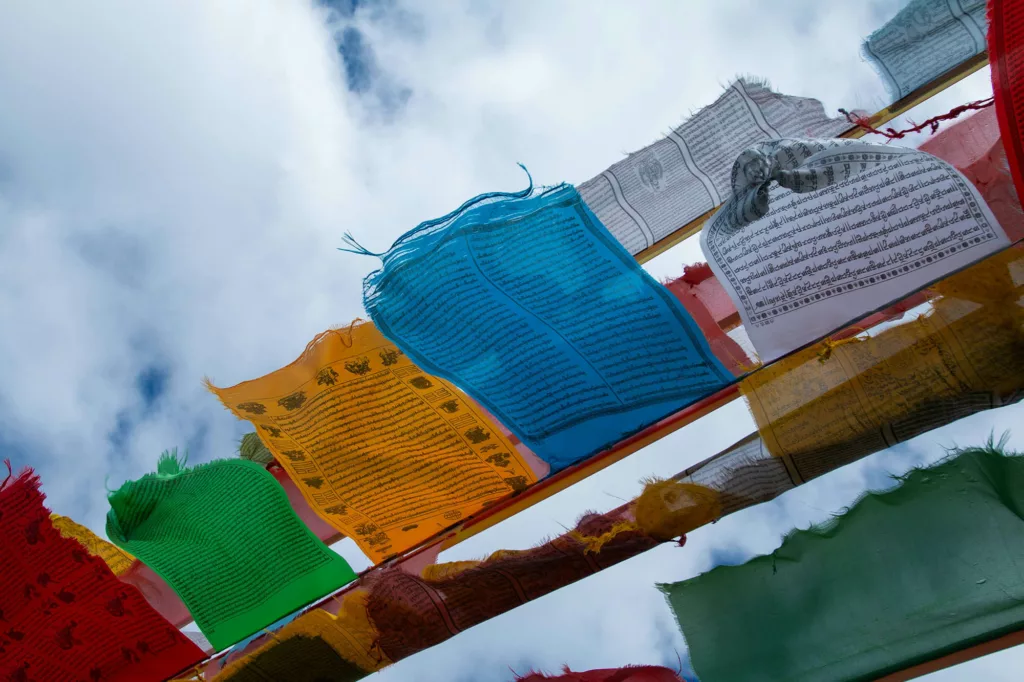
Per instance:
x=562, y=480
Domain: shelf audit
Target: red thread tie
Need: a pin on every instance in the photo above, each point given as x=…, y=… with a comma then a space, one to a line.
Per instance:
x=932, y=123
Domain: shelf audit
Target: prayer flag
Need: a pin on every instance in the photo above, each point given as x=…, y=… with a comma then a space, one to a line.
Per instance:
x=64, y=616
x=924, y=40
x=527, y=303
x=225, y=538
x=669, y=184
x=383, y=452
x=850, y=228
x=1006, y=54
x=820, y=409
x=341, y=646
x=905, y=576
x=638, y=673
x=253, y=449
x=295, y=658
x=974, y=147
x=412, y=613
x=116, y=559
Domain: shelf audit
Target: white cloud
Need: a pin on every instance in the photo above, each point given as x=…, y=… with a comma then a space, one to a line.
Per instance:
x=175, y=177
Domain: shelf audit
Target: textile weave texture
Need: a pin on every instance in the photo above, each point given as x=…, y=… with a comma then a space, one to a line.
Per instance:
x=380, y=450
x=64, y=616
x=226, y=540
x=1006, y=55
x=117, y=559
x=905, y=576
x=527, y=303
x=412, y=613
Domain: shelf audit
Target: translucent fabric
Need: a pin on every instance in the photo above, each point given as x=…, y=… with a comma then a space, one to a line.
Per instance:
x=528, y=304
x=1006, y=53
x=347, y=631
x=116, y=559
x=834, y=403
x=924, y=40
x=668, y=184
x=414, y=613
x=904, y=576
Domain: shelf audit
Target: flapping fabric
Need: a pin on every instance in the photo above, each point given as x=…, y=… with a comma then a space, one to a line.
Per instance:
x=668, y=509
x=64, y=616
x=348, y=632
x=295, y=658
x=116, y=559
x=974, y=146
x=225, y=538
x=924, y=40
x=412, y=613
x=850, y=228
x=386, y=454
x=824, y=407
x=253, y=449
x=1006, y=54
x=655, y=191
x=528, y=304
x=821, y=408
x=638, y=673
x=905, y=576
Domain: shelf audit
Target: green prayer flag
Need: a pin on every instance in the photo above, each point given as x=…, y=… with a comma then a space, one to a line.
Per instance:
x=225, y=538
x=905, y=576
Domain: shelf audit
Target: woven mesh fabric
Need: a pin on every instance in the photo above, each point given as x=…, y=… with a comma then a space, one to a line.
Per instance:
x=528, y=304
x=226, y=540
x=64, y=616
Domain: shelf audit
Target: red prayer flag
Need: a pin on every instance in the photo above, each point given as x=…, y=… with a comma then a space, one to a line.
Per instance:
x=413, y=613
x=64, y=616
x=1006, y=55
x=640, y=673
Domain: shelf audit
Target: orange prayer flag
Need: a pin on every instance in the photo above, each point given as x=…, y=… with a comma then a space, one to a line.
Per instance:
x=384, y=452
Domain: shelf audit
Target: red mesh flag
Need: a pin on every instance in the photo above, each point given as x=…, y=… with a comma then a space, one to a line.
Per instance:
x=413, y=613
x=64, y=616
x=639, y=673
x=1006, y=54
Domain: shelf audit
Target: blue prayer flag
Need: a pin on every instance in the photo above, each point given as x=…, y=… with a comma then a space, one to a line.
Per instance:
x=527, y=303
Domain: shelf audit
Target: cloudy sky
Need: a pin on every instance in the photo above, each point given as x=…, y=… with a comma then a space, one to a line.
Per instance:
x=175, y=178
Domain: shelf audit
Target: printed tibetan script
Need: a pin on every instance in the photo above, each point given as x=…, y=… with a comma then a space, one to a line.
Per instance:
x=866, y=225
x=925, y=40
x=669, y=184
x=383, y=452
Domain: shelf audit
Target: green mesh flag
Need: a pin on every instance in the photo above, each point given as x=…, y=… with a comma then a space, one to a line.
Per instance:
x=905, y=576
x=224, y=536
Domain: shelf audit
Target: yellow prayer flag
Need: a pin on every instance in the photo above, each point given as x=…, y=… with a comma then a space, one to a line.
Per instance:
x=385, y=453
x=349, y=635
x=819, y=410
x=116, y=558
